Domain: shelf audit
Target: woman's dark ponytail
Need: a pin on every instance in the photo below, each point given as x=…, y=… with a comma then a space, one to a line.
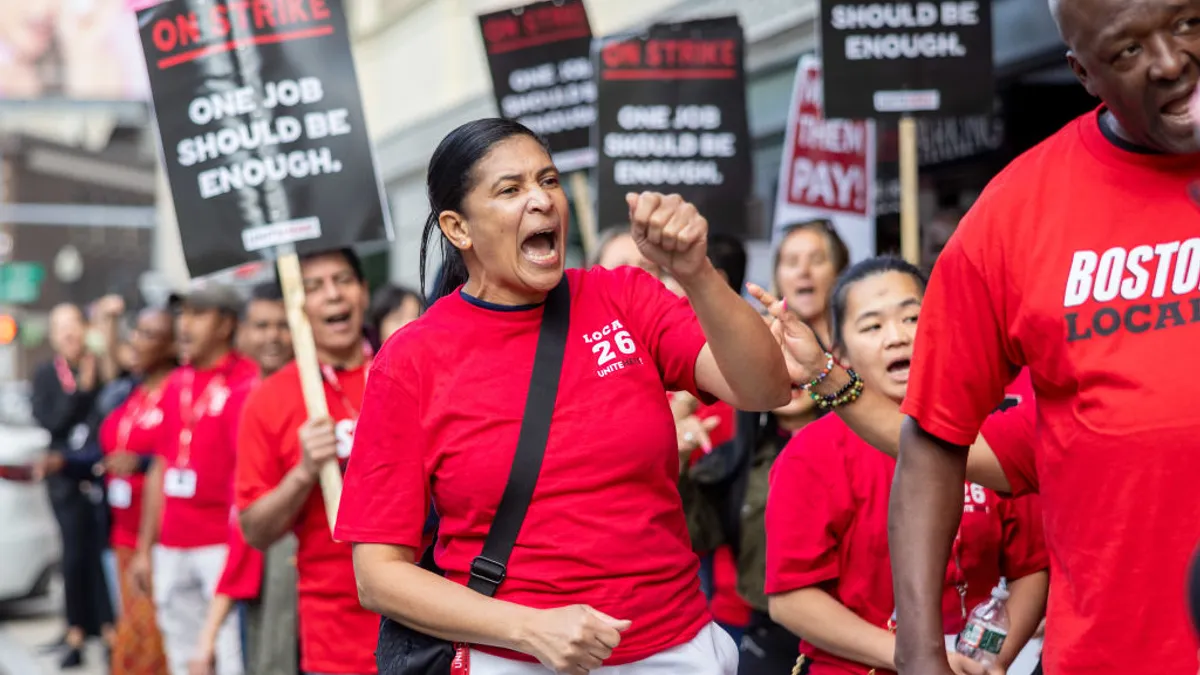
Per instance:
x=449, y=178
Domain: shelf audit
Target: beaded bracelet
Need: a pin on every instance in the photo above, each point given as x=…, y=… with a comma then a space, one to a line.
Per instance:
x=819, y=378
x=849, y=393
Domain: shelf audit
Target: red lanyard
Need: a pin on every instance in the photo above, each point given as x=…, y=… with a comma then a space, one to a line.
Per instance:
x=65, y=377
x=190, y=414
x=330, y=376
x=331, y=381
x=134, y=413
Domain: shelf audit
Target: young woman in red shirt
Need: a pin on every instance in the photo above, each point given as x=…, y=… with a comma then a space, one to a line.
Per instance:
x=603, y=573
x=129, y=437
x=828, y=573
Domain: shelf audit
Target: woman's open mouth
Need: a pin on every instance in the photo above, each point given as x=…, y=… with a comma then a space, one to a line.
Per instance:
x=898, y=369
x=541, y=247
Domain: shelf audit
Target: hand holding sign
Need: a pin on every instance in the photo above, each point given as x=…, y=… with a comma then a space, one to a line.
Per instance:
x=318, y=445
x=670, y=232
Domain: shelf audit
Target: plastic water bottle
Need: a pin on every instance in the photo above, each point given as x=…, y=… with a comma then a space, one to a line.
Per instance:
x=986, y=630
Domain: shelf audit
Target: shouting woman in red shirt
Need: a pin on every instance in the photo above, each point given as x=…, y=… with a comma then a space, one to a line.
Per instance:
x=602, y=573
x=828, y=573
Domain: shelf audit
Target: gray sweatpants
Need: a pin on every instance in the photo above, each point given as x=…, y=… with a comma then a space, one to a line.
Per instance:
x=185, y=581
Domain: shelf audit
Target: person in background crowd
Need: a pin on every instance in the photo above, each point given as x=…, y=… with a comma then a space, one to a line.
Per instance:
x=807, y=263
x=392, y=308
x=398, y=304
x=280, y=454
x=188, y=490
x=935, y=232
x=828, y=578
x=625, y=592
x=129, y=437
x=615, y=248
x=112, y=395
x=1078, y=262
x=64, y=397
x=263, y=331
x=729, y=488
x=261, y=587
x=272, y=624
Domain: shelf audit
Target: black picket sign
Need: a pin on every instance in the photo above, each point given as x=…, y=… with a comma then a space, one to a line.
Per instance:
x=540, y=59
x=262, y=128
x=884, y=59
x=672, y=119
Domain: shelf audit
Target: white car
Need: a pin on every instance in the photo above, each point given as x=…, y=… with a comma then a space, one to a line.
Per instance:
x=30, y=548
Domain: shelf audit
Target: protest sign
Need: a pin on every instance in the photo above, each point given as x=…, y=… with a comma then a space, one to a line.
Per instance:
x=266, y=147
x=885, y=58
x=828, y=168
x=540, y=59
x=672, y=118
x=262, y=128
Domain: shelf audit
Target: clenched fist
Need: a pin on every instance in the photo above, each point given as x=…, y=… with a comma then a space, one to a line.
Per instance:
x=669, y=232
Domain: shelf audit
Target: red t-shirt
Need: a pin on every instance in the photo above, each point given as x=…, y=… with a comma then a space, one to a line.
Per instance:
x=133, y=427
x=1082, y=261
x=1010, y=435
x=336, y=634
x=827, y=525
x=202, y=404
x=606, y=526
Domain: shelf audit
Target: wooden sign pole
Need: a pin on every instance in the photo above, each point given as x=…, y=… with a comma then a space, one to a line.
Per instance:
x=311, y=382
x=910, y=224
x=583, y=210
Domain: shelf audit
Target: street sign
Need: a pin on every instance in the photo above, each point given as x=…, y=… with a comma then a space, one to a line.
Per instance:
x=21, y=282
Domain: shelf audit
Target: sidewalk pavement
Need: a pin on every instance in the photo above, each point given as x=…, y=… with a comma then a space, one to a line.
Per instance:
x=26, y=626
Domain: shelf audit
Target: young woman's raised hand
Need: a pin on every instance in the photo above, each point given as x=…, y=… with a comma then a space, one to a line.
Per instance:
x=803, y=352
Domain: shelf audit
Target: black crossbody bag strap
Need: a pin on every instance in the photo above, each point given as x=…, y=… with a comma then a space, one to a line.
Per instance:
x=489, y=569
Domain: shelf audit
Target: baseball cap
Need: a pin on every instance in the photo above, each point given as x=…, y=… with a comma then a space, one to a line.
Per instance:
x=220, y=297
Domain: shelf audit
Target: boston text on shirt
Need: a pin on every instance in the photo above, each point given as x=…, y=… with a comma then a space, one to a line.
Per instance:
x=1141, y=275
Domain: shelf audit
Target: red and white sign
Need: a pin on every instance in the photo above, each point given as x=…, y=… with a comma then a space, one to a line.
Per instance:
x=828, y=168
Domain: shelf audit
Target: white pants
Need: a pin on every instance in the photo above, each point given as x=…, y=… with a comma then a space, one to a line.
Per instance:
x=185, y=581
x=711, y=652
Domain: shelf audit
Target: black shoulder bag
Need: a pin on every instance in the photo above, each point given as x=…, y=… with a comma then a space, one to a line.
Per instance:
x=404, y=651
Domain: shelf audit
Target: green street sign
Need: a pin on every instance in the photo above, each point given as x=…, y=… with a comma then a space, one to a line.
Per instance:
x=21, y=282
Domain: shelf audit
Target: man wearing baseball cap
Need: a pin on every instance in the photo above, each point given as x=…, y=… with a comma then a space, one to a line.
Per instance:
x=189, y=489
